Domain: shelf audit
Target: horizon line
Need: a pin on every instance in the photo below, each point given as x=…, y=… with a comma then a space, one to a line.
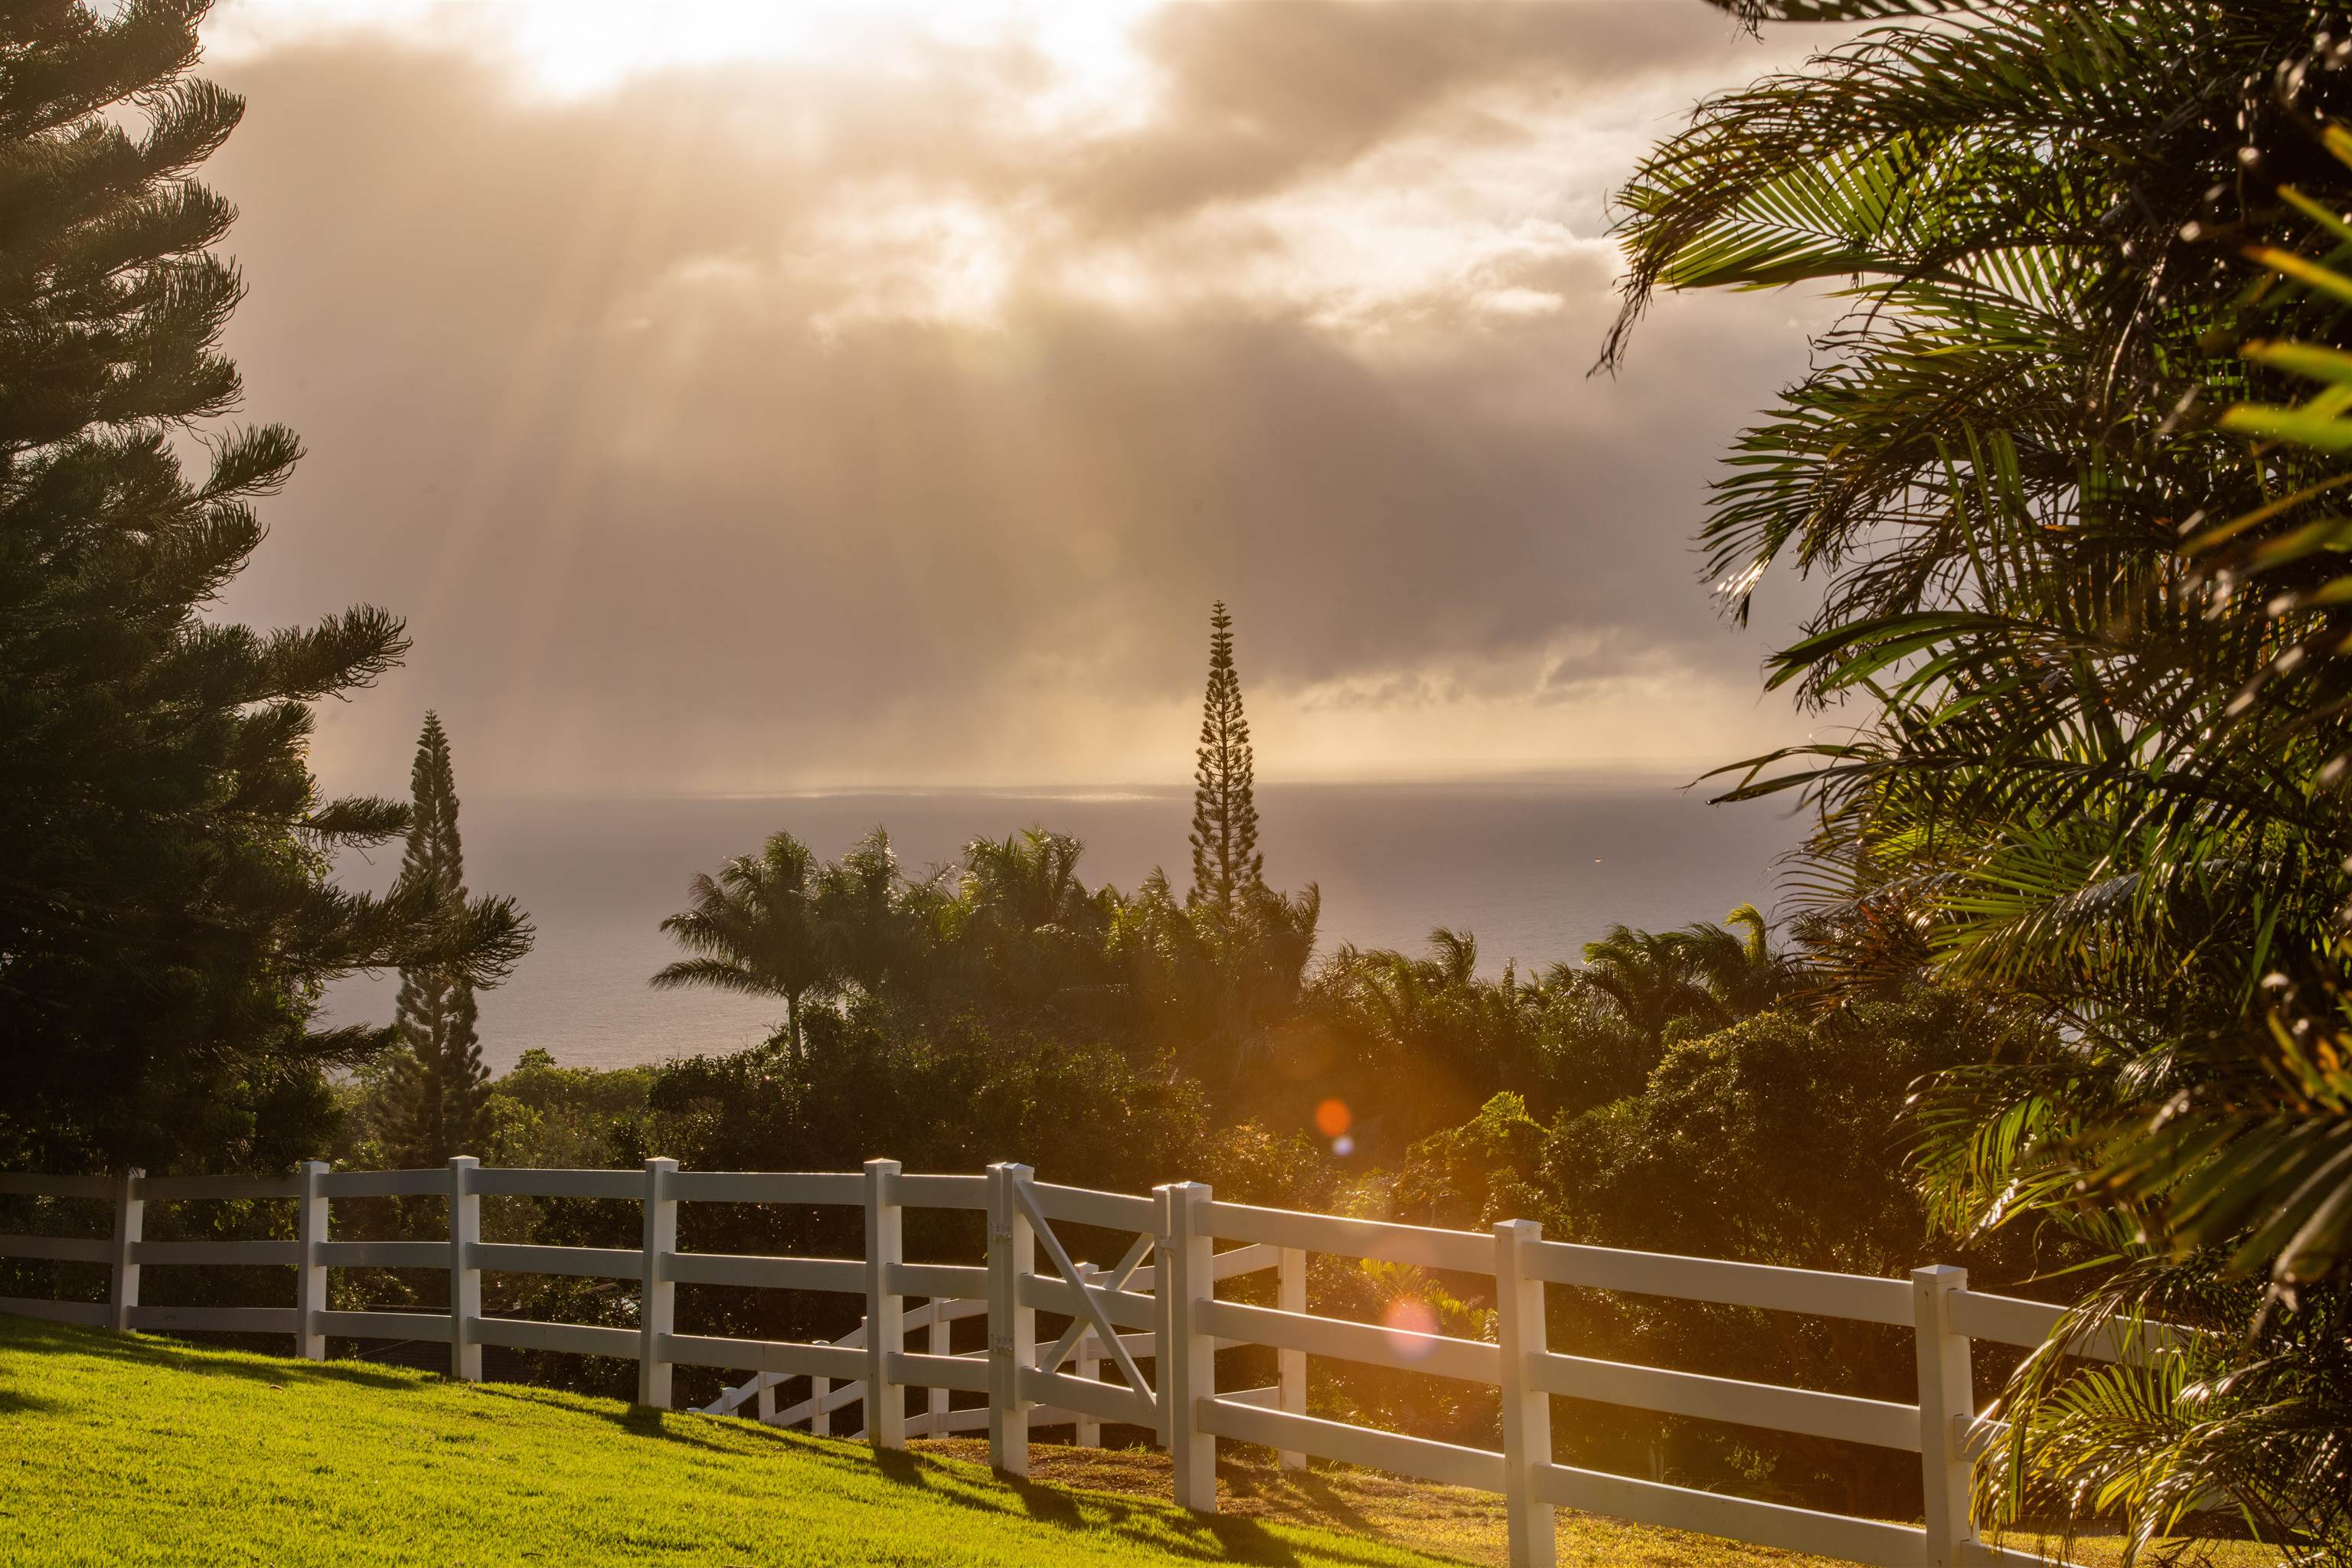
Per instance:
x=1689, y=774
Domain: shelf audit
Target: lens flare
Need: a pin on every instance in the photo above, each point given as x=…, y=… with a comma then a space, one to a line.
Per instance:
x=1405, y=1318
x=1343, y=1146
x=1333, y=1117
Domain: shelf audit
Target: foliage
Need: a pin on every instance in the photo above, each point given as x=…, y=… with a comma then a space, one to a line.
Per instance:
x=1009, y=942
x=2248, y=1170
x=556, y=1117
x=165, y=918
x=1775, y=1139
x=952, y=1104
x=1779, y=1140
x=540, y=1115
x=1702, y=976
x=2061, y=796
x=2276, y=1147
x=1415, y=1046
x=1472, y=1176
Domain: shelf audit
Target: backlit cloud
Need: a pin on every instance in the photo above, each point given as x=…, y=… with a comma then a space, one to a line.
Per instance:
x=890, y=413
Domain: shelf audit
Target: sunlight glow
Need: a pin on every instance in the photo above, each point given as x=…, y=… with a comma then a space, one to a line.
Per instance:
x=574, y=47
x=917, y=259
x=1064, y=299
x=1408, y=1320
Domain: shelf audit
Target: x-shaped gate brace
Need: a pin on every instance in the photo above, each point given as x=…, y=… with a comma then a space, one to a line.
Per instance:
x=1077, y=1279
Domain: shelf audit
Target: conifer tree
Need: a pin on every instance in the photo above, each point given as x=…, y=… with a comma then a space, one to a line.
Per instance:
x=1226, y=866
x=166, y=919
x=439, y=1082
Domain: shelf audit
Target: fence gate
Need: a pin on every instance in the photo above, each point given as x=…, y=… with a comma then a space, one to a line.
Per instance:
x=1021, y=1217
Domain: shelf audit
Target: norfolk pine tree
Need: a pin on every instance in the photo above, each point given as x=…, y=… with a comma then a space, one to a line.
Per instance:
x=166, y=919
x=1258, y=940
x=1226, y=867
x=439, y=1082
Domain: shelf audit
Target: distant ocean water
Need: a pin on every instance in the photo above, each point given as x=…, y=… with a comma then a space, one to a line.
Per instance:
x=1534, y=869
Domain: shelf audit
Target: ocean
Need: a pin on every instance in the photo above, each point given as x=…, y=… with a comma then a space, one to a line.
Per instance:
x=1533, y=868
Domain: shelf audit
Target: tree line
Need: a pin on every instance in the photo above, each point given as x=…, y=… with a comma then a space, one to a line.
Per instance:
x=1673, y=1091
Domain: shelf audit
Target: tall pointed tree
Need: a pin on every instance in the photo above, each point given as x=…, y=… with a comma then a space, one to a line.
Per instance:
x=438, y=1080
x=1226, y=865
x=166, y=921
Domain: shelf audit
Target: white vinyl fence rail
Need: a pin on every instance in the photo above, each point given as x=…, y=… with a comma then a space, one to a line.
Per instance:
x=1158, y=1304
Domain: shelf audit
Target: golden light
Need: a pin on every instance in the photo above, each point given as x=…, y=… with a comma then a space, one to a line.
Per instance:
x=570, y=46
x=1409, y=1322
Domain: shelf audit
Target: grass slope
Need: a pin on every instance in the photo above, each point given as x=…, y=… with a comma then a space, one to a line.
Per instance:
x=127, y=1449
x=1469, y=1526
x=119, y=1449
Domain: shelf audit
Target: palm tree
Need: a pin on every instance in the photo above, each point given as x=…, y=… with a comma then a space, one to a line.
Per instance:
x=1652, y=981
x=1434, y=1038
x=1027, y=935
x=1026, y=881
x=1736, y=966
x=870, y=930
x=755, y=930
x=2091, y=780
x=1453, y=960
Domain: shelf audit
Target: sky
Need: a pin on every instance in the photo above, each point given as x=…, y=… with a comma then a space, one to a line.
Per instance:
x=743, y=398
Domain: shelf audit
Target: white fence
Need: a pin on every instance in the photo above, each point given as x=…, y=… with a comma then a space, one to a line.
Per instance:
x=1159, y=1304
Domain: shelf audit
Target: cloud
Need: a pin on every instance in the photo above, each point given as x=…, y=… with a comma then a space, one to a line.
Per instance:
x=810, y=422
x=1256, y=97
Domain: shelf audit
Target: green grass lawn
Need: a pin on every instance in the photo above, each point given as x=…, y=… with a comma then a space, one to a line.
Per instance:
x=119, y=1449
x=129, y=1450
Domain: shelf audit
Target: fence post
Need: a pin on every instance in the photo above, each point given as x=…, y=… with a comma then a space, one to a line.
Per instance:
x=1292, y=1364
x=886, y=1319
x=1189, y=1358
x=1011, y=1327
x=766, y=1406
x=1527, y=1409
x=939, y=1345
x=656, y=1297
x=464, y=1280
x=820, y=1418
x=1088, y=1429
x=309, y=1274
x=130, y=1227
x=1947, y=1400
x=1160, y=1319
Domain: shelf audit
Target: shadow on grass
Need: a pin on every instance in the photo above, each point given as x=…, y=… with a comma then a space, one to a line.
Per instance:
x=1331, y=1502
x=636, y=1420
x=37, y=1336
x=1147, y=1526
x=1153, y=1527
x=1144, y=1526
x=16, y=1402
x=1293, y=1501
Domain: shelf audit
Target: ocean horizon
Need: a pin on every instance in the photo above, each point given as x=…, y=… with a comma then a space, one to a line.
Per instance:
x=1533, y=867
